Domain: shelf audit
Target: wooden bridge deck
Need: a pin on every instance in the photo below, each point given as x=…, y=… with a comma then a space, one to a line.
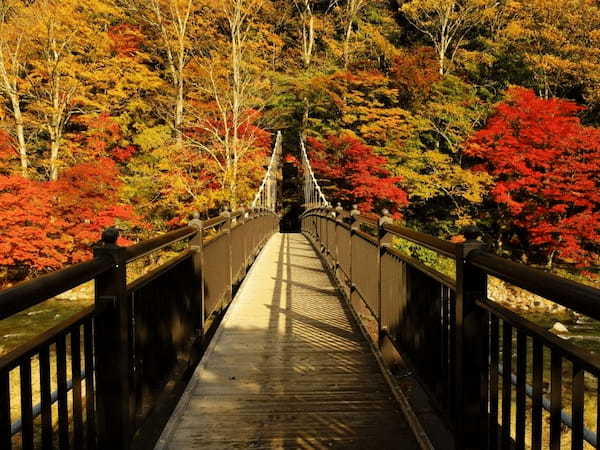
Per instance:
x=288, y=368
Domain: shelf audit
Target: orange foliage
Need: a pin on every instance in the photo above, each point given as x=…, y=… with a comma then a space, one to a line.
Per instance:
x=47, y=224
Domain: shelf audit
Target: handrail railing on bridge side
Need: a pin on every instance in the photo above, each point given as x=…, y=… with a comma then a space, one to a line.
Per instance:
x=458, y=341
x=103, y=371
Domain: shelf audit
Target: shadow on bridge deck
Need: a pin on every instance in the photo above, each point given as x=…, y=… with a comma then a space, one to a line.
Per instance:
x=288, y=368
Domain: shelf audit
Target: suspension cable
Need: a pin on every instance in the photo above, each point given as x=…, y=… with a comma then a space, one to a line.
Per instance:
x=313, y=195
x=266, y=197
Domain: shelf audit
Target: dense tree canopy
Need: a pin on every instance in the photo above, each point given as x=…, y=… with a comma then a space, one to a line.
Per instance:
x=546, y=167
x=448, y=112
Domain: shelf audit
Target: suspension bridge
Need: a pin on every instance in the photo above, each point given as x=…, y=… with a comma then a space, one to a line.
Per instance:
x=326, y=338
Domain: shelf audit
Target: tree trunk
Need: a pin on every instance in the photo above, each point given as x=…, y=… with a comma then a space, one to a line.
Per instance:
x=20, y=132
x=308, y=40
x=179, y=111
x=54, y=149
x=347, y=44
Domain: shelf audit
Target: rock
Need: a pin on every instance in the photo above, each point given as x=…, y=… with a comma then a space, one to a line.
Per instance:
x=559, y=328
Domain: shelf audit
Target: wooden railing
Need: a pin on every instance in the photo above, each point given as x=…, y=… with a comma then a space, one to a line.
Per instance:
x=471, y=355
x=96, y=379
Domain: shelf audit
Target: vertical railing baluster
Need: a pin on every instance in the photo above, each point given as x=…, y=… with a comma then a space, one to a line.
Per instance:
x=46, y=398
x=494, y=378
x=114, y=402
x=77, y=399
x=197, y=246
x=90, y=409
x=538, y=392
x=5, y=422
x=506, y=384
x=555, y=399
x=227, y=214
x=242, y=220
x=445, y=304
x=383, y=238
x=521, y=393
x=339, y=215
x=61, y=381
x=325, y=233
x=597, y=411
x=451, y=346
x=577, y=406
x=471, y=333
x=354, y=226
x=26, y=406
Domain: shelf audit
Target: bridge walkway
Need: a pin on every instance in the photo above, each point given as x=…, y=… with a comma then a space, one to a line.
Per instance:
x=288, y=368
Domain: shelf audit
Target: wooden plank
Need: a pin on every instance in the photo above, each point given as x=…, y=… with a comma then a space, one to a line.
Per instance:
x=289, y=368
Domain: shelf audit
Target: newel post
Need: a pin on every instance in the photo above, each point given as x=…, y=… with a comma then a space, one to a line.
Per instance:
x=244, y=247
x=197, y=247
x=337, y=216
x=354, y=225
x=383, y=239
x=227, y=215
x=112, y=346
x=472, y=334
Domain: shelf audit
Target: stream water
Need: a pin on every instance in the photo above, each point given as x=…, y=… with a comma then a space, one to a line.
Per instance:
x=22, y=327
x=583, y=331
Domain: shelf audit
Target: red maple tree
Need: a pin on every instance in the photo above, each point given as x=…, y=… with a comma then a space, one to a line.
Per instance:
x=45, y=225
x=354, y=174
x=546, y=164
x=102, y=137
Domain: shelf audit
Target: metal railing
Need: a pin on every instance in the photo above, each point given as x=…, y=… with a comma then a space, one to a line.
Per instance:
x=470, y=354
x=94, y=380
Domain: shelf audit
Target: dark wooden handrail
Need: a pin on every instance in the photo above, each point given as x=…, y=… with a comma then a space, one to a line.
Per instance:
x=576, y=296
x=440, y=246
x=30, y=293
x=442, y=278
x=152, y=245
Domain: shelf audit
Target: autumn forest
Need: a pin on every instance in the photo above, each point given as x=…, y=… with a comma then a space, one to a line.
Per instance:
x=447, y=112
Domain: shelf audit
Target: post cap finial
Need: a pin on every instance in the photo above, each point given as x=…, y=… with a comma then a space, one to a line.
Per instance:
x=196, y=222
x=472, y=233
x=110, y=236
x=385, y=217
